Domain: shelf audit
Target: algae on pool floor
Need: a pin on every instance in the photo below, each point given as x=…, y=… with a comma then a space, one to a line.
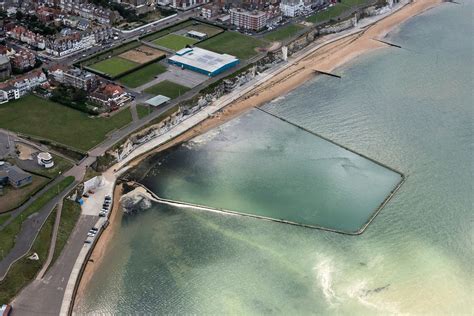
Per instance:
x=260, y=165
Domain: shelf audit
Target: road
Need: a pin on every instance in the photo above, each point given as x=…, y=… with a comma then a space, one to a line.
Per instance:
x=44, y=297
x=29, y=230
x=123, y=37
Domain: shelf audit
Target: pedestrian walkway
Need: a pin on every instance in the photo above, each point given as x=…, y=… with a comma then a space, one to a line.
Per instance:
x=29, y=230
x=52, y=245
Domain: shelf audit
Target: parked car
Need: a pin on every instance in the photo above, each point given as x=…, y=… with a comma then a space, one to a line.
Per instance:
x=102, y=214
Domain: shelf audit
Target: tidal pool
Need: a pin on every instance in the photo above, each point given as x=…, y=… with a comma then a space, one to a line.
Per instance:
x=263, y=166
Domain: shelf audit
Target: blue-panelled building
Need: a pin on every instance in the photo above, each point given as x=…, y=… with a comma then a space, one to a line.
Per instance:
x=203, y=61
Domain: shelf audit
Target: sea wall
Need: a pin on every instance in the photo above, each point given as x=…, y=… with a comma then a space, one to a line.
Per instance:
x=208, y=95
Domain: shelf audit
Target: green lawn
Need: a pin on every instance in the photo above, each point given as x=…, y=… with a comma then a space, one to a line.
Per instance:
x=114, y=66
x=24, y=270
x=174, y=42
x=283, y=33
x=204, y=28
x=233, y=43
x=111, y=52
x=4, y=218
x=45, y=119
x=330, y=13
x=142, y=75
x=335, y=11
x=60, y=165
x=8, y=234
x=69, y=216
x=143, y=110
x=153, y=36
x=12, y=198
x=167, y=88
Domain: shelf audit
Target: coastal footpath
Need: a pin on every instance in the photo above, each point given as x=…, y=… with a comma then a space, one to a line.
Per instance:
x=325, y=55
x=231, y=106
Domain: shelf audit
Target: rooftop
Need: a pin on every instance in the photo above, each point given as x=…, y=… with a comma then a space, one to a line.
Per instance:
x=158, y=100
x=202, y=58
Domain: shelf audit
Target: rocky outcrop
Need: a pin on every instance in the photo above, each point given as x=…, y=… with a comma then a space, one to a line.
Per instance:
x=136, y=200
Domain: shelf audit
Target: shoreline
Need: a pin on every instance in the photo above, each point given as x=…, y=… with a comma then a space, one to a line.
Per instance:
x=100, y=248
x=326, y=58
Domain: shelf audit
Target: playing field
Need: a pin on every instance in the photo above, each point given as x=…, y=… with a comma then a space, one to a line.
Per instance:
x=233, y=43
x=203, y=28
x=175, y=42
x=142, y=54
x=167, y=88
x=142, y=75
x=114, y=66
x=34, y=116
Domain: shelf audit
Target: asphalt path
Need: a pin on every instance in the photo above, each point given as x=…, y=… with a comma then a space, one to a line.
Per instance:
x=44, y=296
x=29, y=230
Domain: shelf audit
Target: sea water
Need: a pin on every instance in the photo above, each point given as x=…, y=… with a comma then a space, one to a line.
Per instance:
x=261, y=165
x=409, y=108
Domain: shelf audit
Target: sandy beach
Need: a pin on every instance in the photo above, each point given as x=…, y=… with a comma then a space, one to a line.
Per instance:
x=327, y=59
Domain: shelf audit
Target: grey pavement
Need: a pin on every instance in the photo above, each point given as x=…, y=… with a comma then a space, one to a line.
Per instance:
x=133, y=110
x=44, y=297
x=52, y=245
x=6, y=144
x=177, y=75
x=29, y=230
x=19, y=210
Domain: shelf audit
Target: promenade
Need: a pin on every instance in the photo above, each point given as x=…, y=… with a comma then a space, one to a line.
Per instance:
x=59, y=284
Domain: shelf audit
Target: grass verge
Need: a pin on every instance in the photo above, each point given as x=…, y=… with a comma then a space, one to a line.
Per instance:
x=143, y=110
x=35, y=116
x=167, y=88
x=337, y=10
x=8, y=234
x=12, y=198
x=60, y=165
x=283, y=33
x=69, y=216
x=114, y=66
x=174, y=42
x=4, y=218
x=143, y=75
x=24, y=270
x=233, y=43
